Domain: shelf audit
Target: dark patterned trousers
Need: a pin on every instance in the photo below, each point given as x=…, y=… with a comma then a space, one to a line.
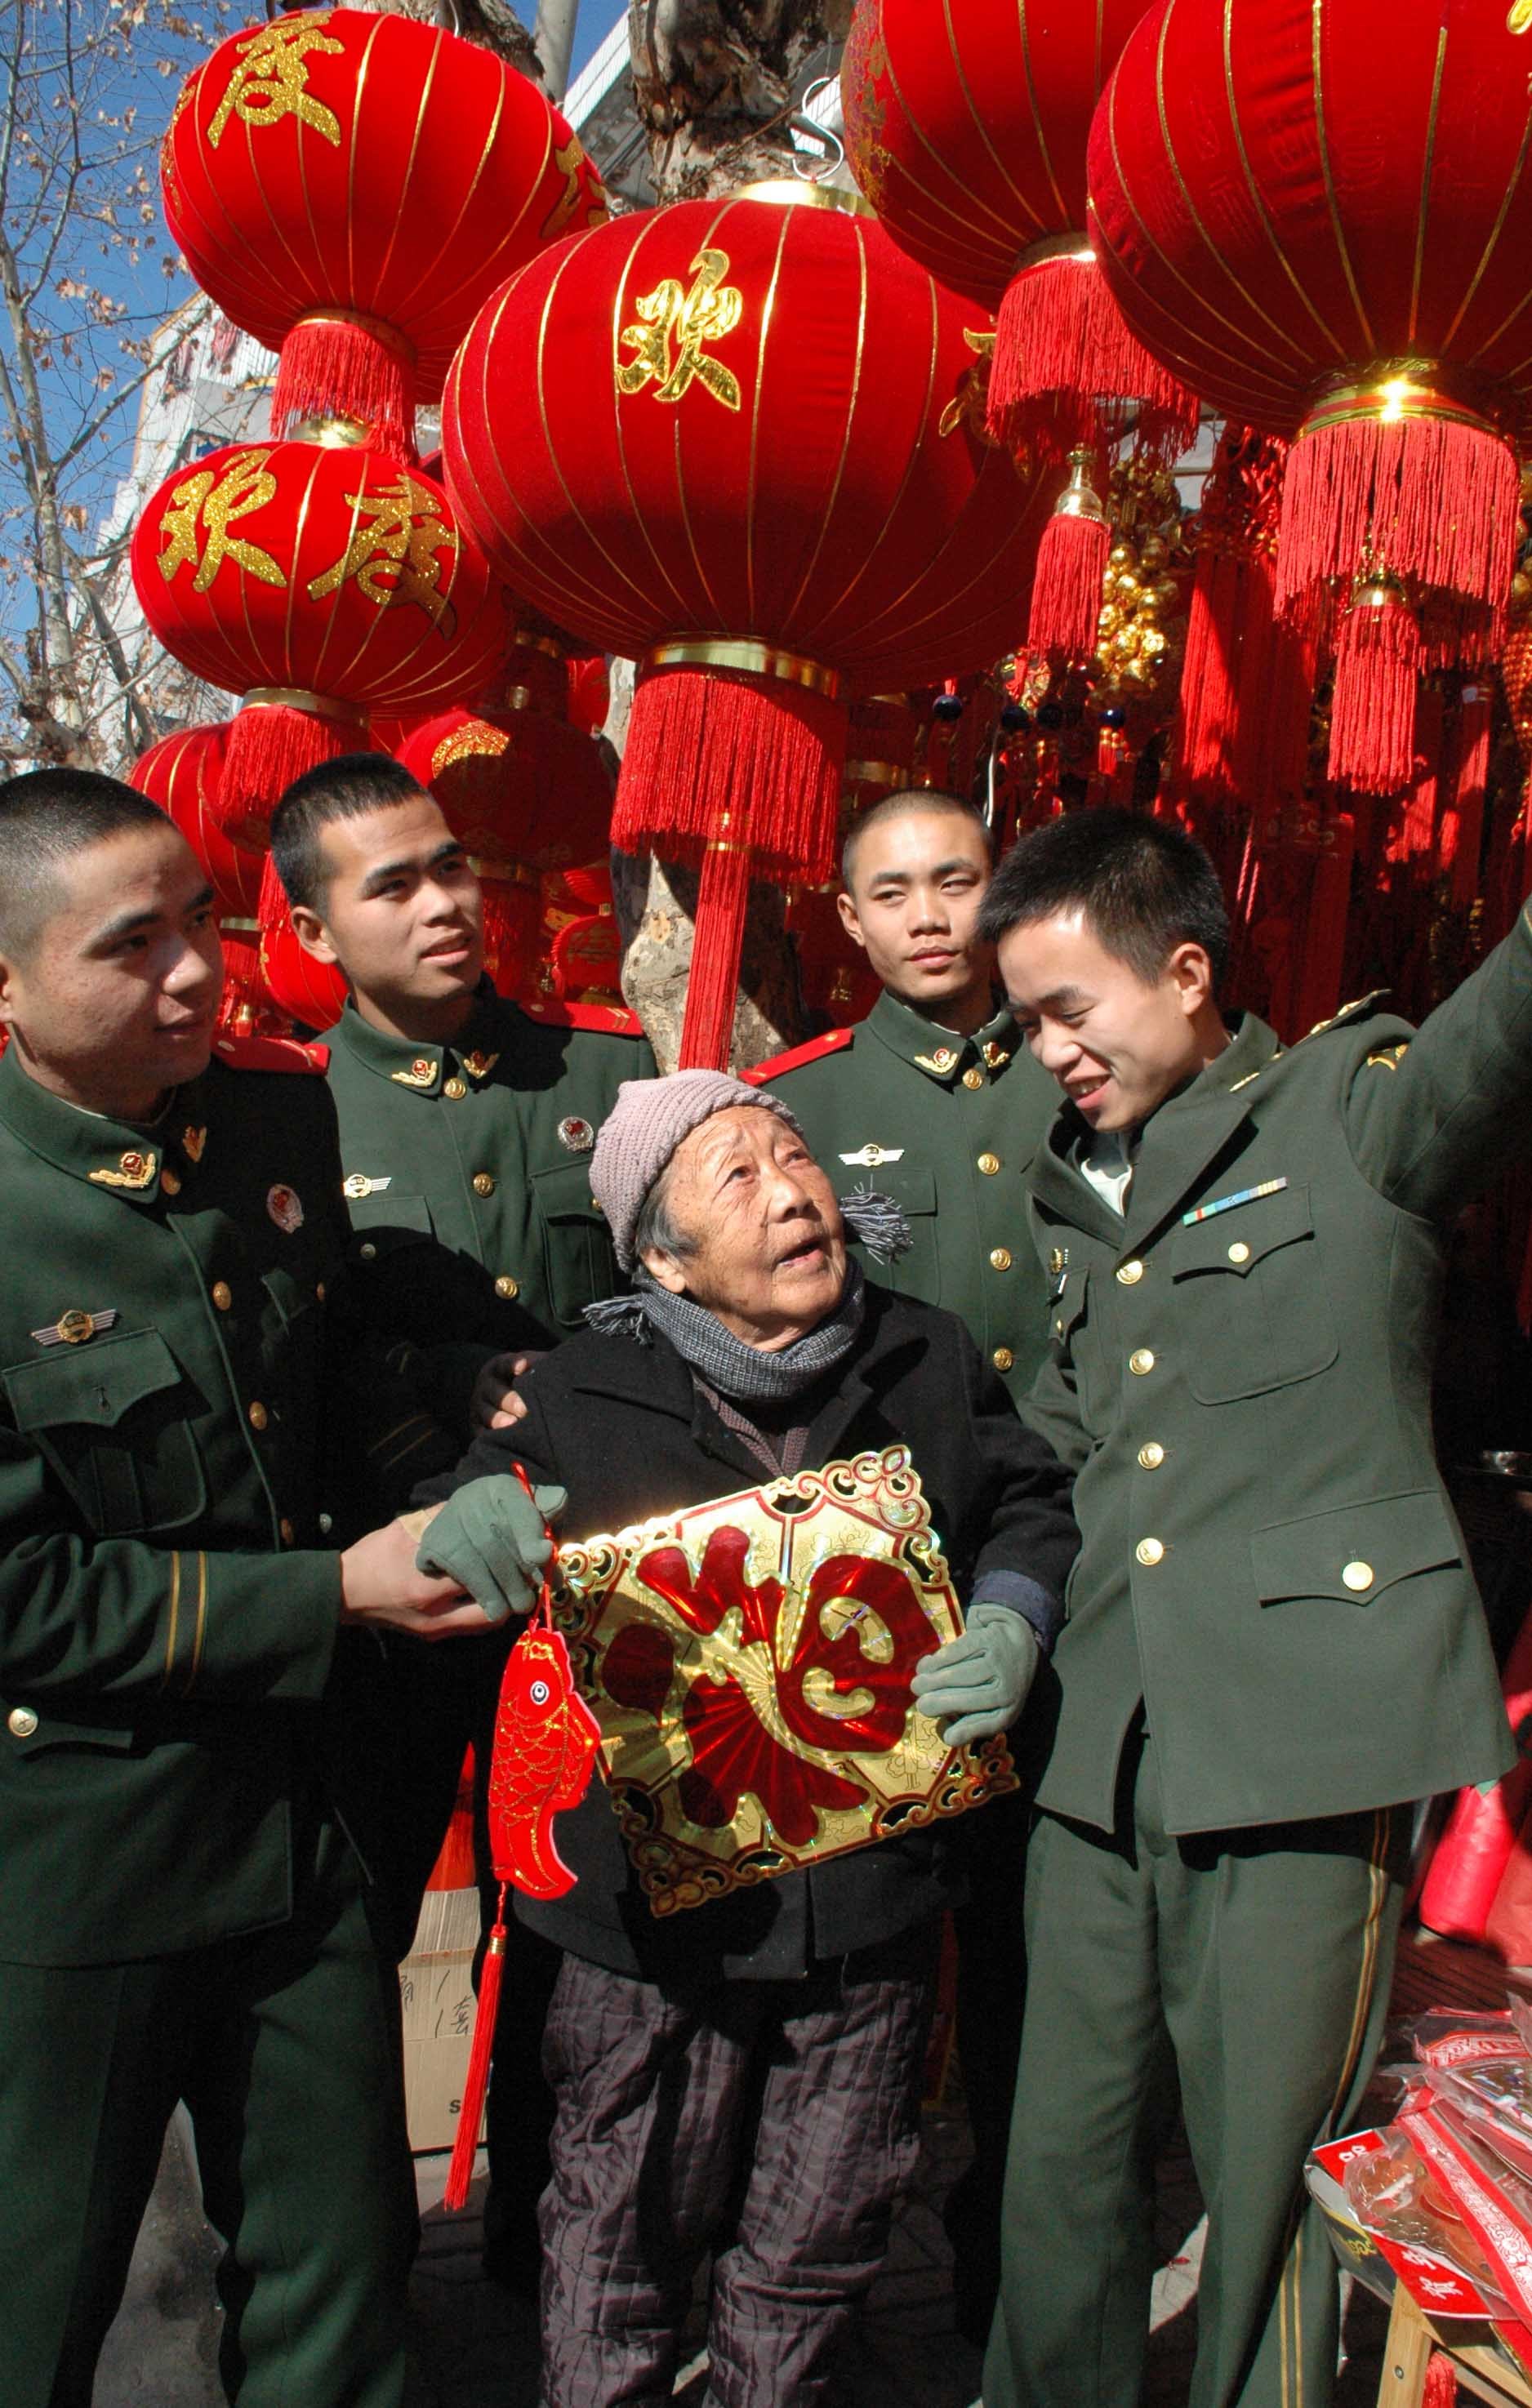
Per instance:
x=776, y=2123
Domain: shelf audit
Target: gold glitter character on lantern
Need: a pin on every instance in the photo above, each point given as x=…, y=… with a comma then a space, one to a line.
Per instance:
x=396, y=557
x=203, y=503
x=710, y=311
x=271, y=80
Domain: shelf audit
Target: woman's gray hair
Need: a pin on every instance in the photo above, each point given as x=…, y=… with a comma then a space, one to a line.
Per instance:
x=655, y=1231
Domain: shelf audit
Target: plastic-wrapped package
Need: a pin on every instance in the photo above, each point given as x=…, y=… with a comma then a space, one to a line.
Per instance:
x=1391, y=2191
x=1454, y=2035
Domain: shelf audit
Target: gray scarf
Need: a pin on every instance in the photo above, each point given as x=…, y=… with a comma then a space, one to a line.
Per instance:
x=725, y=1361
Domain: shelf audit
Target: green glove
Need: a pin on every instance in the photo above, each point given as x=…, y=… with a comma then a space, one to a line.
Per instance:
x=490, y=1538
x=977, y=1684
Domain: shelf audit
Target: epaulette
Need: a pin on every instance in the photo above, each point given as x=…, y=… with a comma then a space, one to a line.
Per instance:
x=1388, y=1058
x=1348, y=1012
x=272, y=1053
x=610, y=1019
x=833, y=1041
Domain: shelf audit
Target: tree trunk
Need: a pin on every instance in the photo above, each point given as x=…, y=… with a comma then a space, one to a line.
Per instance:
x=492, y=23
x=713, y=82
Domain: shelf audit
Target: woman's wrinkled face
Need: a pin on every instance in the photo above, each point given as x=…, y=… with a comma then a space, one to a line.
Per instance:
x=764, y=1248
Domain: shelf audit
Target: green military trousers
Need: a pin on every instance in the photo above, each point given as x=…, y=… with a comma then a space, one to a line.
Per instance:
x=1253, y=1966
x=284, y=2049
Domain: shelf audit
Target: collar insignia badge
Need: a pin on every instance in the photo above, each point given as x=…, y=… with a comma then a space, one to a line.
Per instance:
x=192, y=1143
x=133, y=1170
x=479, y=1066
x=421, y=1073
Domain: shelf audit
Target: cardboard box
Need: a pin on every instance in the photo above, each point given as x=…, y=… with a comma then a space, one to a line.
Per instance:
x=437, y=1996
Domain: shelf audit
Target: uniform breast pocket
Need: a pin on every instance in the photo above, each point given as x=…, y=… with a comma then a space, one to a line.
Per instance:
x=579, y=1265
x=1252, y=1309
x=383, y=1225
x=114, y=1420
x=1075, y=1345
x=914, y=1191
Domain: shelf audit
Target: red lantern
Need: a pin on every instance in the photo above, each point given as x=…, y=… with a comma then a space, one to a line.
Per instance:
x=320, y=583
x=182, y=773
x=311, y=991
x=767, y=486
x=1316, y=210
x=351, y=187
x=966, y=127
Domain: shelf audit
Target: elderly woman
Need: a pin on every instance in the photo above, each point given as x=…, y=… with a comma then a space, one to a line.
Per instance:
x=744, y=2076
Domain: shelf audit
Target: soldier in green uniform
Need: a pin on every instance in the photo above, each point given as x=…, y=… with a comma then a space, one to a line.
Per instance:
x=182, y=1912
x=1273, y=1642
x=466, y=1126
x=933, y=1099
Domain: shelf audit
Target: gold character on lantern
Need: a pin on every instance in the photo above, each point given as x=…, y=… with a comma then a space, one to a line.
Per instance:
x=579, y=185
x=396, y=555
x=271, y=80
x=688, y=320
x=206, y=504
x=1518, y=16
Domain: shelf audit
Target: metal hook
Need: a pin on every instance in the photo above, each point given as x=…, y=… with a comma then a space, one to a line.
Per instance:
x=801, y=121
x=449, y=15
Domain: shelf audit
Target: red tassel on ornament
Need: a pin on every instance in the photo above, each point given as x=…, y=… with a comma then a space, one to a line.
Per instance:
x=1441, y=2383
x=339, y=364
x=247, y=1008
x=744, y=770
x=1067, y=368
x=1377, y=668
x=512, y=922
x=1463, y=824
x=1063, y=622
x=276, y=735
x=1437, y=497
x=476, y=2082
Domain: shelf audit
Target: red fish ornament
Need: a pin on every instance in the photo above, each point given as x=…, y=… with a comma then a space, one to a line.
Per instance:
x=545, y=1746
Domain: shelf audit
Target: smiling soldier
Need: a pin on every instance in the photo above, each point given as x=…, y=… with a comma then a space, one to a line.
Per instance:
x=1273, y=1642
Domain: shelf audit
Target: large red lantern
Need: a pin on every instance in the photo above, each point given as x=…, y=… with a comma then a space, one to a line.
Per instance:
x=351, y=187
x=320, y=583
x=182, y=774
x=1317, y=211
x=736, y=441
x=966, y=126
x=311, y=991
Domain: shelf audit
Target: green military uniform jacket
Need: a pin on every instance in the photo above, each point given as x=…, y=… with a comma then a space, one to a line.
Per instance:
x=169, y=1608
x=467, y=1181
x=947, y=1126
x=1241, y=1369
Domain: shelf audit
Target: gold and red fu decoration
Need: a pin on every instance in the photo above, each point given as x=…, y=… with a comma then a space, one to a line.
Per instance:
x=528, y=794
x=966, y=127
x=1320, y=219
x=348, y=188
x=766, y=490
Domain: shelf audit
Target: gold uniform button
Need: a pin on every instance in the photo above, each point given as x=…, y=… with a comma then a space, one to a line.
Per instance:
x=1003, y=1359
x=1151, y=1455
x=20, y=1722
x=1150, y=1551
x=999, y=1259
x=989, y=1164
x=507, y=1286
x=1239, y=1252
x=319, y=1290
x=258, y=1415
x=1358, y=1576
x=1140, y=1361
x=973, y=1078
x=222, y=1294
x=284, y=1531
x=456, y=1089
x=483, y=1183
x=1130, y=1273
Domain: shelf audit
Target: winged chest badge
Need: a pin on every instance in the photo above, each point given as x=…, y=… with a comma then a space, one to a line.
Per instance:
x=749, y=1663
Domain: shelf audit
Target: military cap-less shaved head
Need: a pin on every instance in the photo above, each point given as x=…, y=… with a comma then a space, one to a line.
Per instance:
x=899, y=806
x=348, y=788
x=47, y=816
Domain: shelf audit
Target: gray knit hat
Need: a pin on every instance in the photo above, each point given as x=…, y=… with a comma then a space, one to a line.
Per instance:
x=650, y=1118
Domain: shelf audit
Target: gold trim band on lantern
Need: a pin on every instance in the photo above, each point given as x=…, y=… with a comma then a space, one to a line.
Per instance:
x=795, y=191
x=744, y=653
x=1394, y=392
x=297, y=697
x=1054, y=245
x=393, y=339
x=239, y=927
x=503, y=873
x=872, y=773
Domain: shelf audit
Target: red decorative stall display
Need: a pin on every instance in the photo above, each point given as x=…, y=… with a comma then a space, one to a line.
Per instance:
x=182, y=774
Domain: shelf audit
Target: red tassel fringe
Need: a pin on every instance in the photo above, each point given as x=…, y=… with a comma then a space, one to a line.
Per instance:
x=1463, y=824
x=331, y=366
x=1372, y=714
x=1066, y=369
x=707, y=1024
x=1066, y=611
x=512, y=930
x=246, y=1010
x=713, y=753
x=476, y=2086
x=271, y=743
x=1431, y=500
x=1440, y=2384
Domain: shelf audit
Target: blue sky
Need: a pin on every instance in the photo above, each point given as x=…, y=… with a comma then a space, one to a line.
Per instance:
x=595, y=22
